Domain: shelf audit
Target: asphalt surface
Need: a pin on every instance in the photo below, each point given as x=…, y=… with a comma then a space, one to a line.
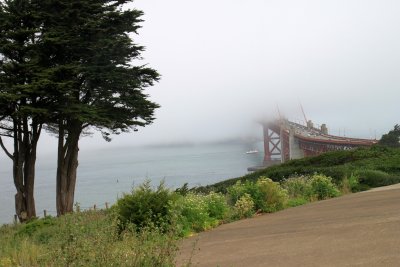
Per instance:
x=360, y=229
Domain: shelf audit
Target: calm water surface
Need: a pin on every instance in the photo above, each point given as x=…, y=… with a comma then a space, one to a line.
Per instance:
x=104, y=175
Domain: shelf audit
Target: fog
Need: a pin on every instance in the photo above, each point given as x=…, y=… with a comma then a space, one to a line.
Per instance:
x=227, y=64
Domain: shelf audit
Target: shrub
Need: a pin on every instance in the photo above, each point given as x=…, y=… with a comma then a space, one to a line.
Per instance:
x=217, y=207
x=266, y=194
x=297, y=187
x=272, y=195
x=236, y=191
x=35, y=225
x=351, y=184
x=195, y=213
x=183, y=190
x=244, y=207
x=375, y=178
x=322, y=187
x=145, y=206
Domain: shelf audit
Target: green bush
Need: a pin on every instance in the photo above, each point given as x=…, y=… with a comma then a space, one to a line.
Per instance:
x=35, y=225
x=272, y=195
x=351, y=184
x=244, y=207
x=236, y=191
x=145, y=206
x=266, y=194
x=195, y=213
x=217, y=205
x=322, y=187
x=375, y=178
x=297, y=187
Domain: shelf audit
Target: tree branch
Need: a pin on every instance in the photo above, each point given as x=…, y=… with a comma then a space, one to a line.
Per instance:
x=5, y=149
x=4, y=128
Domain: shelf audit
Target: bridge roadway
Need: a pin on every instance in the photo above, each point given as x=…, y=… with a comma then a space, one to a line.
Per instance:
x=360, y=229
x=316, y=136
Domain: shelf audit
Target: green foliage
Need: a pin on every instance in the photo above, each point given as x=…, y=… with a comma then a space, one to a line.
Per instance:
x=351, y=184
x=217, y=206
x=310, y=188
x=322, y=187
x=376, y=178
x=392, y=138
x=145, y=206
x=35, y=225
x=273, y=196
x=239, y=189
x=86, y=239
x=244, y=207
x=336, y=164
x=67, y=66
x=294, y=202
x=195, y=212
x=297, y=187
x=267, y=195
x=183, y=190
x=162, y=208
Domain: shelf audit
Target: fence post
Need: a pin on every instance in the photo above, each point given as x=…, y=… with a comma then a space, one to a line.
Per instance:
x=45, y=213
x=94, y=207
x=106, y=205
x=15, y=218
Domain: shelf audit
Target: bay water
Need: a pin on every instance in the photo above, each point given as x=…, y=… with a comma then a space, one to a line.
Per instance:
x=104, y=175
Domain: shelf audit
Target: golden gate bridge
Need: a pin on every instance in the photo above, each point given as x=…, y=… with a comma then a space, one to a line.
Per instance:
x=285, y=140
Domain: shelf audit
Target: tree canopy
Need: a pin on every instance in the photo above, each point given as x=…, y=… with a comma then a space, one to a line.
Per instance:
x=22, y=111
x=70, y=65
x=392, y=138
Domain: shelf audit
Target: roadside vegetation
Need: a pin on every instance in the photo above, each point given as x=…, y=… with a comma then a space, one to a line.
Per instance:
x=144, y=226
x=372, y=167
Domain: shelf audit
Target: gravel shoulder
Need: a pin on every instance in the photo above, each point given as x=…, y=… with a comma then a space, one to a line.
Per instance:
x=360, y=229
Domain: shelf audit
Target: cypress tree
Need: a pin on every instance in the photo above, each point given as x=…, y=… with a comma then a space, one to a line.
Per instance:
x=21, y=111
x=70, y=66
x=91, y=73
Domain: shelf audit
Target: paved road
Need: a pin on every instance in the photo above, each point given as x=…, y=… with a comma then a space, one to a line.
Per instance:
x=360, y=229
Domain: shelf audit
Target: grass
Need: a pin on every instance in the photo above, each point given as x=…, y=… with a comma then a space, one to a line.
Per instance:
x=84, y=239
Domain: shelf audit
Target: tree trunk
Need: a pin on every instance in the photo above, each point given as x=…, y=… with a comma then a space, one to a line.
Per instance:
x=67, y=164
x=24, y=180
x=24, y=160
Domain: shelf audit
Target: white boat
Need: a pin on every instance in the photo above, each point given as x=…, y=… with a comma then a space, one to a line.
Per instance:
x=252, y=151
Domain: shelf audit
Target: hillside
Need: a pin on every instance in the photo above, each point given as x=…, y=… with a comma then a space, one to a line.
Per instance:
x=374, y=166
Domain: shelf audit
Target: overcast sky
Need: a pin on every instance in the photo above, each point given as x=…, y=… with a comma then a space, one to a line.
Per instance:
x=226, y=64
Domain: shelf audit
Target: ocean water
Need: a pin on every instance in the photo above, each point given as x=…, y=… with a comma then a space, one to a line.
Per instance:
x=105, y=174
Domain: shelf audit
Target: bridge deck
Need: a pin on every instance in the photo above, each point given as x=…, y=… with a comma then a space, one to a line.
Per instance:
x=315, y=135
